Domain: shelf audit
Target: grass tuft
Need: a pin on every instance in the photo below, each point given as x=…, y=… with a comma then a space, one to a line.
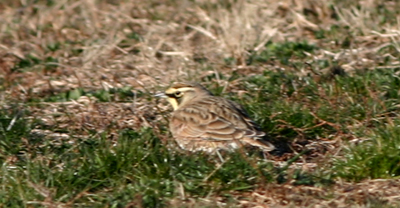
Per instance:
x=373, y=157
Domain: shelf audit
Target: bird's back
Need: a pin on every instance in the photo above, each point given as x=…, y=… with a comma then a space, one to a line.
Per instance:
x=214, y=123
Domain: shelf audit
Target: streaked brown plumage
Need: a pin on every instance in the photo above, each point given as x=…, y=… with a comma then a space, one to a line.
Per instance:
x=204, y=122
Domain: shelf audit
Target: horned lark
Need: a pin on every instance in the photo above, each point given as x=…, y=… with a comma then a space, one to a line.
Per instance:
x=204, y=122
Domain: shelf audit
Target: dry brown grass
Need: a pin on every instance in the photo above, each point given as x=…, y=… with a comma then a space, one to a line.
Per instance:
x=371, y=193
x=172, y=37
x=103, y=45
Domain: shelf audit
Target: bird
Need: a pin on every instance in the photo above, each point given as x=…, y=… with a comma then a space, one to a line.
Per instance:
x=203, y=122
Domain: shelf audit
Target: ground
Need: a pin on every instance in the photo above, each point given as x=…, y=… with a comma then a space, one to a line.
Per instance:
x=80, y=126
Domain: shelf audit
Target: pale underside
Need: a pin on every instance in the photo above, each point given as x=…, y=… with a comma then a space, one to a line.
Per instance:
x=213, y=123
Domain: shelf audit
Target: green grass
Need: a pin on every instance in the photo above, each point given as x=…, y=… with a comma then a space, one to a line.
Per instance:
x=301, y=103
x=284, y=52
x=376, y=157
x=100, y=170
x=110, y=95
x=111, y=172
x=306, y=87
x=103, y=171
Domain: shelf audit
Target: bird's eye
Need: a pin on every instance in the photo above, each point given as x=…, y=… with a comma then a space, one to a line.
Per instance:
x=178, y=94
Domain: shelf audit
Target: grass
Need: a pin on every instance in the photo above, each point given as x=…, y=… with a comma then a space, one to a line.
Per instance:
x=374, y=158
x=80, y=127
x=136, y=164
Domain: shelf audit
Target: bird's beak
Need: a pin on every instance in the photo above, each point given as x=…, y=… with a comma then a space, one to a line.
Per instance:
x=160, y=95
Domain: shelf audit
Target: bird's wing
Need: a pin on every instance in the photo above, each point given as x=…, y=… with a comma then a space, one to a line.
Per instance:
x=200, y=122
x=216, y=120
x=256, y=130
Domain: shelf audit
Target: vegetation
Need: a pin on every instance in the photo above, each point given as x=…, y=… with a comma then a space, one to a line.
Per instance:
x=80, y=127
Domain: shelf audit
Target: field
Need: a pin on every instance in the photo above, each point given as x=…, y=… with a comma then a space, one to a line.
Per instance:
x=80, y=126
